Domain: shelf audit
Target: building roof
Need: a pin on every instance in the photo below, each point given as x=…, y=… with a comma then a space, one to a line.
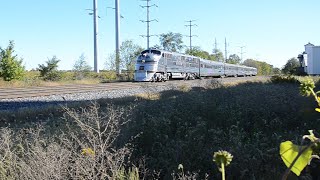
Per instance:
x=309, y=44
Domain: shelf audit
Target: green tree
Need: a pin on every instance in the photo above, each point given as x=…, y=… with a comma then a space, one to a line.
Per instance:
x=196, y=51
x=171, y=41
x=49, y=72
x=81, y=67
x=217, y=55
x=10, y=66
x=263, y=68
x=128, y=55
x=291, y=67
x=251, y=63
x=233, y=59
x=276, y=71
x=266, y=69
x=157, y=46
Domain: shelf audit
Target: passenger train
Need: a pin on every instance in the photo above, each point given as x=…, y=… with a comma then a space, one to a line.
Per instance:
x=159, y=65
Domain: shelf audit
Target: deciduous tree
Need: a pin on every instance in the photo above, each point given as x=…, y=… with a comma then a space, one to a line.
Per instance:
x=81, y=67
x=233, y=59
x=263, y=68
x=217, y=55
x=171, y=41
x=291, y=66
x=197, y=51
x=128, y=54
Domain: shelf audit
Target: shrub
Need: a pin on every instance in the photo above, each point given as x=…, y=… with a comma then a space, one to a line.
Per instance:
x=283, y=79
x=10, y=66
x=81, y=68
x=49, y=72
x=87, y=148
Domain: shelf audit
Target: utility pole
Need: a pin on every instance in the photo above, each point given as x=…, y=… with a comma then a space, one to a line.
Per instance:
x=190, y=25
x=95, y=31
x=148, y=21
x=117, y=25
x=241, y=52
x=225, y=49
x=215, y=51
x=215, y=44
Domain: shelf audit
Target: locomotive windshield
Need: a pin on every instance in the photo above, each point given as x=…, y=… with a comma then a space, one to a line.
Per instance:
x=157, y=52
x=148, y=55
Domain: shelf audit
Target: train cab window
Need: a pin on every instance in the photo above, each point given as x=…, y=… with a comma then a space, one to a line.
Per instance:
x=157, y=52
x=201, y=65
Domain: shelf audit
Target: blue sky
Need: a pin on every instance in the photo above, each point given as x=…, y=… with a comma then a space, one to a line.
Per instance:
x=272, y=31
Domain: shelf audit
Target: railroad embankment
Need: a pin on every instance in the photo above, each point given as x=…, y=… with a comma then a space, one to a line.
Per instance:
x=152, y=132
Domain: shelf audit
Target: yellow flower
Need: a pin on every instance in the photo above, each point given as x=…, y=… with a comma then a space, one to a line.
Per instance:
x=311, y=137
x=222, y=157
x=87, y=152
x=317, y=109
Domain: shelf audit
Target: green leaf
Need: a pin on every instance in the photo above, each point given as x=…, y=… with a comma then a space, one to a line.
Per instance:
x=289, y=151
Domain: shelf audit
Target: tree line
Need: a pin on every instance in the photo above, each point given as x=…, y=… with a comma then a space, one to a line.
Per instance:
x=12, y=68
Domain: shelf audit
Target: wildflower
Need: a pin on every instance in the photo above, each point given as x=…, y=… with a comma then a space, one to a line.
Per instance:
x=317, y=109
x=306, y=87
x=222, y=157
x=311, y=137
x=180, y=167
x=87, y=152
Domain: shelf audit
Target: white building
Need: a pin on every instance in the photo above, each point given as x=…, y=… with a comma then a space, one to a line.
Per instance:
x=310, y=59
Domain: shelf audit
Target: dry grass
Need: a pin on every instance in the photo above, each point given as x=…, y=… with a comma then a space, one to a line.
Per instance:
x=32, y=78
x=184, y=88
x=86, y=150
x=148, y=96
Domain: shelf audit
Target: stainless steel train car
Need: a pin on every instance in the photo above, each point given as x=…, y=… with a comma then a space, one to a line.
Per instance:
x=160, y=65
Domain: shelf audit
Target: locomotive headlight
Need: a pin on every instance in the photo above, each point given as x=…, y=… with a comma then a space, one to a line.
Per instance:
x=143, y=61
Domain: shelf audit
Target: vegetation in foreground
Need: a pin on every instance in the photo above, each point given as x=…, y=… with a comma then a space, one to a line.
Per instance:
x=155, y=135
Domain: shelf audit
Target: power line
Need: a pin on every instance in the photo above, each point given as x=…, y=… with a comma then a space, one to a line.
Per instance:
x=148, y=21
x=190, y=25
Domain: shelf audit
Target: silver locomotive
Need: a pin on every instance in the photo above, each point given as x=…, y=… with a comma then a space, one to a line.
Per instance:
x=160, y=65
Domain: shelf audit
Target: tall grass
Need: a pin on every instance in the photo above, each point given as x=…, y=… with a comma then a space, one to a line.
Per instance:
x=179, y=126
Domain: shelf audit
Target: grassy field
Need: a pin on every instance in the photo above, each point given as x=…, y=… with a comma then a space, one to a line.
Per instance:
x=157, y=132
x=32, y=78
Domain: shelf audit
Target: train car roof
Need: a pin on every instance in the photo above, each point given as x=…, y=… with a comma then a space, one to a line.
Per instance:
x=160, y=52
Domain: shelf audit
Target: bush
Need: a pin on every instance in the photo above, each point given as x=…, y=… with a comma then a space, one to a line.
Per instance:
x=49, y=72
x=81, y=68
x=10, y=66
x=87, y=148
x=284, y=79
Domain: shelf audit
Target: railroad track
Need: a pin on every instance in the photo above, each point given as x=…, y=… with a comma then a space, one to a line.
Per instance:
x=14, y=93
